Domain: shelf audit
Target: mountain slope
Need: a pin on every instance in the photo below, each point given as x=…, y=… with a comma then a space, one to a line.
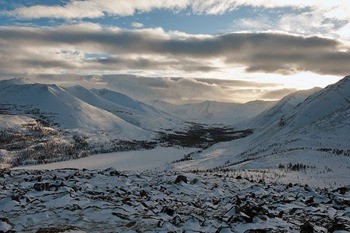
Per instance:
x=322, y=104
x=54, y=104
x=123, y=106
x=314, y=132
x=281, y=109
x=317, y=114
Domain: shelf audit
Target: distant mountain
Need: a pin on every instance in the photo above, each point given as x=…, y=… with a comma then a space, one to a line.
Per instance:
x=212, y=112
x=53, y=104
x=133, y=111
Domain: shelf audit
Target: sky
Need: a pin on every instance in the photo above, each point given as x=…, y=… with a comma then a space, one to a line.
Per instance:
x=178, y=51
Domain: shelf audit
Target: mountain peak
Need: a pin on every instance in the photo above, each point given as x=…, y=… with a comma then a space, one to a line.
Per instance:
x=19, y=80
x=345, y=79
x=343, y=83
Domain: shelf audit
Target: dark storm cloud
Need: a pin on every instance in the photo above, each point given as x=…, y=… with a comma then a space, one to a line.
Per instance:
x=262, y=52
x=148, y=64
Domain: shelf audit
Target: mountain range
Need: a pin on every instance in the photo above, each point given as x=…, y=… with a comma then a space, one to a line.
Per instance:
x=93, y=110
x=306, y=127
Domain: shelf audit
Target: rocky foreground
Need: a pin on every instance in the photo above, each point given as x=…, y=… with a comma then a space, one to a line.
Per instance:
x=110, y=201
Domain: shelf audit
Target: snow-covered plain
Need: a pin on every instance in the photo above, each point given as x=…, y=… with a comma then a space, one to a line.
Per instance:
x=129, y=160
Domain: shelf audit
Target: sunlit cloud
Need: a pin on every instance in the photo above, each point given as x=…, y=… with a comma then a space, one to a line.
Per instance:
x=65, y=49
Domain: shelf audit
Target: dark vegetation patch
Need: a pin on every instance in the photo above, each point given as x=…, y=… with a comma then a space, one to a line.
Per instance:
x=46, y=119
x=295, y=166
x=31, y=134
x=335, y=151
x=202, y=136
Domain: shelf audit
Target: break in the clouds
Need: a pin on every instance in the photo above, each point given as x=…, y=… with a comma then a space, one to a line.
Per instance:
x=92, y=48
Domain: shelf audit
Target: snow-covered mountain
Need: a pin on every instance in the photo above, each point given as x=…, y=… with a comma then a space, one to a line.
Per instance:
x=312, y=130
x=308, y=109
x=212, y=112
x=281, y=109
x=55, y=105
x=322, y=104
x=133, y=111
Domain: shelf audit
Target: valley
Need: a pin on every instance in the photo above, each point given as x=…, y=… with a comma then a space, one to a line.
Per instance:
x=126, y=116
x=298, y=146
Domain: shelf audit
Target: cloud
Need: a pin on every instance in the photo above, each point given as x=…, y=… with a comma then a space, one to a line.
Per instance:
x=236, y=83
x=65, y=49
x=187, y=90
x=141, y=63
x=137, y=25
x=75, y=9
x=306, y=23
x=278, y=94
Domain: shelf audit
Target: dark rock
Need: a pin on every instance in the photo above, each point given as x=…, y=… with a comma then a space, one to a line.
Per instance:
x=238, y=201
x=168, y=211
x=176, y=220
x=39, y=178
x=47, y=186
x=57, y=229
x=343, y=190
x=250, y=211
x=16, y=198
x=194, y=181
x=309, y=201
x=280, y=214
x=258, y=231
x=160, y=223
x=180, y=178
x=130, y=224
x=143, y=193
x=215, y=201
x=120, y=215
x=114, y=173
x=306, y=228
x=73, y=207
x=41, y=187
x=335, y=225
x=220, y=229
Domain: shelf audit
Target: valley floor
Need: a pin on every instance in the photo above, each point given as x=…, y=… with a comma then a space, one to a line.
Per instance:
x=140, y=160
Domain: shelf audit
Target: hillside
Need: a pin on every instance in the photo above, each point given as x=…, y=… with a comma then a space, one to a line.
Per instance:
x=53, y=105
x=313, y=133
x=280, y=110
